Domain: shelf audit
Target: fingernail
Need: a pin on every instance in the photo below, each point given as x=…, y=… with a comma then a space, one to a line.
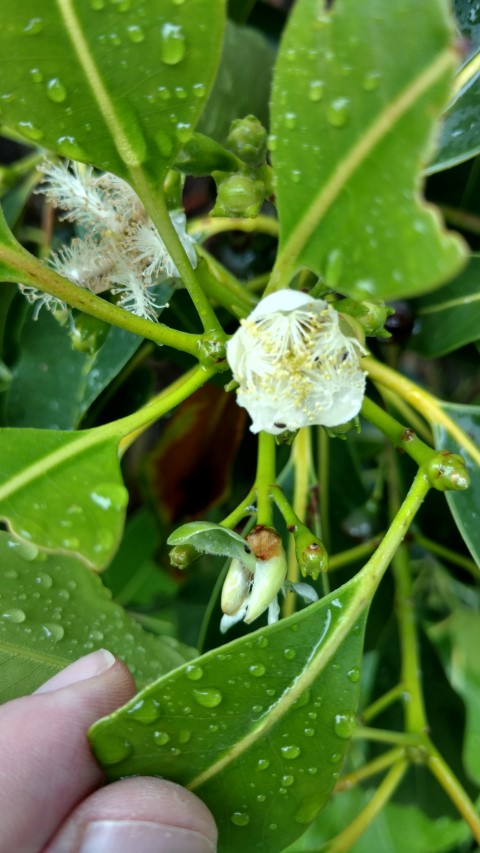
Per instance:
x=123, y=836
x=87, y=667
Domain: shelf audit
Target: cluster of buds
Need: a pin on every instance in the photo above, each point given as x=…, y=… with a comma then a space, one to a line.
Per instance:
x=120, y=249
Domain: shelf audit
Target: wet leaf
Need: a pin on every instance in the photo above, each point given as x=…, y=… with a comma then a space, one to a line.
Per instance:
x=63, y=491
x=114, y=84
x=210, y=538
x=450, y=318
x=52, y=611
x=464, y=506
x=189, y=471
x=352, y=122
x=276, y=708
x=460, y=136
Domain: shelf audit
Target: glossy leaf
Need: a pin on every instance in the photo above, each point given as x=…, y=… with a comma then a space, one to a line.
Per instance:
x=276, y=708
x=209, y=538
x=468, y=17
x=450, y=318
x=243, y=82
x=352, y=121
x=465, y=506
x=189, y=470
x=63, y=491
x=116, y=84
x=52, y=611
x=53, y=384
x=460, y=137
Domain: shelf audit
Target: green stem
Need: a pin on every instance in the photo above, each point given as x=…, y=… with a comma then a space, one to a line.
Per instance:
x=391, y=756
x=446, y=554
x=265, y=478
x=382, y=703
x=351, y=555
x=289, y=515
x=156, y=207
x=422, y=401
x=346, y=839
x=30, y=271
x=207, y=226
x=240, y=511
x=401, y=437
x=455, y=791
x=411, y=739
x=410, y=415
x=323, y=482
x=222, y=287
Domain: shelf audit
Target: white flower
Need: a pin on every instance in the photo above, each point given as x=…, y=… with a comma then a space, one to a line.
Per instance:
x=294, y=365
x=149, y=248
x=134, y=294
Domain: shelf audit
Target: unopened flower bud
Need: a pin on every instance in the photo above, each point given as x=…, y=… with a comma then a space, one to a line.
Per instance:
x=269, y=577
x=370, y=314
x=310, y=552
x=239, y=195
x=87, y=333
x=447, y=471
x=183, y=556
x=248, y=140
x=236, y=588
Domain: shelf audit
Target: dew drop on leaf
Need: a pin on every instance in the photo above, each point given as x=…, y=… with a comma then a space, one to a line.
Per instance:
x=353, y=674
x=135, y=33
x=208, y=698
x=290, y=120
x=161, y=738
x=289, y=654
x=344, y=725
x=316, y=90
x=36, y=75
x=240, y=818
x=199, y=90
x=371, y=81
x=28, y=129
x=112, y=749
x=14, y=614
x=97, y=5
x=33, y=27
x=44, y=580
x=56, y=91
x=288, y=780
x=53, y=632
x=338, y=112
x=173, y=45
x=194, y=672
x=257, y=670
x=290, y=752
x=146, y=711
x=262, y=764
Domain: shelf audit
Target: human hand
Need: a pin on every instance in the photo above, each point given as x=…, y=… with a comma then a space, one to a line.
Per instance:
x=51, y=799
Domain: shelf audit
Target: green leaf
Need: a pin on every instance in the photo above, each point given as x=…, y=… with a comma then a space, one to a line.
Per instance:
x=464, y=506
x=468, y=16
x=460, y=137
x=54, y=384
x=352, y=121
x=213, y=539
x=52, y=611
x=450, y=318
x=258, y=728
x=243, y=82
x=111, y=83
x=63, y=491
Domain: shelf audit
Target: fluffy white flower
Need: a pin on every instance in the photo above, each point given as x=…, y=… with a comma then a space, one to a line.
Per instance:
x=133, y=293
x=294, y=365
x=76, y=191
x=149, y=248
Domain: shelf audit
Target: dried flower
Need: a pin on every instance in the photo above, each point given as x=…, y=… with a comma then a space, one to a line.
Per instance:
x=295, y=366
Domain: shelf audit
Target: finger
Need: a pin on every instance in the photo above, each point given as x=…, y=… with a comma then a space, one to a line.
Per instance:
x=47, y=766
x=144, y=815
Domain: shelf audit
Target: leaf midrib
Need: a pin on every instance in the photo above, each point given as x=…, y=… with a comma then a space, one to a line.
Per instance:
x=357, y=155
x=459, y=301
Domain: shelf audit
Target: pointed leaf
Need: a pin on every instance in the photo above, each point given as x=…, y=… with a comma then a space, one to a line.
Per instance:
x=460, y=137
x=113, y=84
x=276, y=708
x=352, y=122
x=63, y=491
x=450, y=318
x=52, y=611
x=464, y=506
x=210, y=538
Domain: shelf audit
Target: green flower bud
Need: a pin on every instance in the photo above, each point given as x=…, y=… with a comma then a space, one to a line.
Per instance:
x=182, y=556
x=212, y=349
x=248, y=140
x=239, y=195
x=87, y=333
x=447, y=471
x=341, y=430
x=371, y=315
x=310, y=552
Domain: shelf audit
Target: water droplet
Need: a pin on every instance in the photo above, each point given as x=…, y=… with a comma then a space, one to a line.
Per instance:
x=28, y=129
x=145, y=710
x=56, y=91
x=312, y=770
x=122, y=5
x=344, y=725
x=184, y=131
x=135, y=33
x=335, y=758
x=111, y=749
x=290, y=120
x=97, y=5
x=25, y=550
x=296, y=176
x=208, y=698
x=164, y=143
x=173, y=45
x=294, y=627
x=334, y=267
x=316, y=90
x=44, y=580
x=262, y=642
x=338, y=112
x=110, y=495
x=240, y=818
x=288, y=780
x=262, y=764
x=69, y=147
x=309, y=732
x=289, y=654
x=290, y=752
x=257, y=670
x=96, y=636
x=199, y=90
x=53, y=632
x=272, y=142
x=161, y=738
x=36, y=75
x=194, y=672
x=354, y=674
x=371, y=80
x=34, y=26
x=272, y=826
x=260, y=798
x=303, y=699
x=184, y=736
x=14, y=614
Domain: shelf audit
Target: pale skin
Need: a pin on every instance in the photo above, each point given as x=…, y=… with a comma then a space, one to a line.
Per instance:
x=51, y=788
